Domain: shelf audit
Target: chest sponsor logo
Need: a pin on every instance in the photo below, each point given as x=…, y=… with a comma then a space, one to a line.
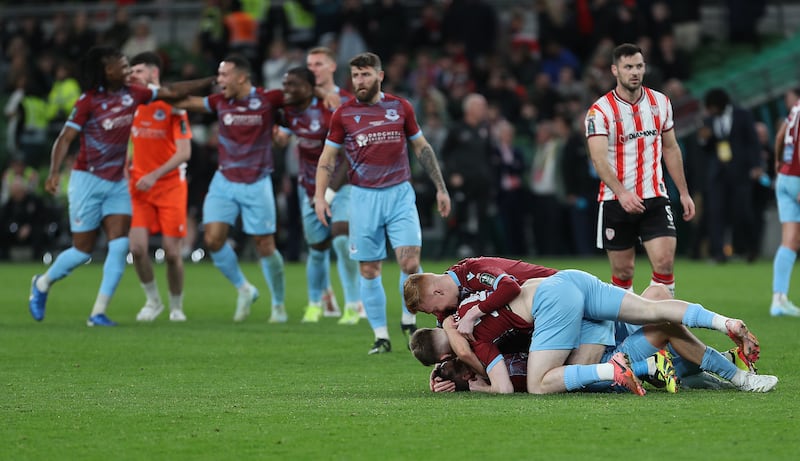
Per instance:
x=116, y=122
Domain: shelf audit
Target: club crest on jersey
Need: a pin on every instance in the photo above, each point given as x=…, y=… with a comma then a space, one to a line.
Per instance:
x=392, y=115
x=654, y=110
x=486, y=279
x=314, y=125
x=254, y=104
x=361, y=140
x=610, y=233
x=127, y=100
x=160, y=114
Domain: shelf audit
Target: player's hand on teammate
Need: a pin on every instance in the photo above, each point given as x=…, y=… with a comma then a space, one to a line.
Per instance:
x=322, y=209
x=465, y=328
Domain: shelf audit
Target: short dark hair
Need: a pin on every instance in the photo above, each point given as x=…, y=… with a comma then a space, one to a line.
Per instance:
x=626, y=49
x=717, y=98
x=304, y=74
x=147, y=58
x=239, y=62
x=366, y=60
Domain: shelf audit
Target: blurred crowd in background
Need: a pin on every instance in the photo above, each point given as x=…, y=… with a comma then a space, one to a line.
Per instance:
x=528, y=189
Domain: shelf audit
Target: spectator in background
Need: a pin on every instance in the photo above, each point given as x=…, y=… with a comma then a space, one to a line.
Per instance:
x=18, y=172
x=580, y=188
x=388, y=25
x=673, y=61
x=65, y=91
x=508, y=164
x=686, y=19
x=743, y=17
x=82, y=36
x=428, y=33
x=119, y=31
x=276, y=65
x=142, y=38
x=473, y=23
x=465, y=154
x=547, y=188
x=732, y=149
x=762, y=185
x=21, y=220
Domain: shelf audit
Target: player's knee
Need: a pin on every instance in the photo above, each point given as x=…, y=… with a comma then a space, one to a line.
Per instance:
x=212, y=242
x=138, y=249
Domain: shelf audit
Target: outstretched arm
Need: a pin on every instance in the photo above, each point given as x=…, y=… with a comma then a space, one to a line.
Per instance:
x=179, y=90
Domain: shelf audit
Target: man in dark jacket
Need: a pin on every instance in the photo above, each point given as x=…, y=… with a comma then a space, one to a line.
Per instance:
x=733, y=153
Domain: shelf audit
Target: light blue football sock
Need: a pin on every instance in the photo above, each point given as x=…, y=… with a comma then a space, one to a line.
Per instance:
x=579, y=376
x=326, y=276
x=782, y=267
x=272, y=268
x=698, y=316
x=640, y=369
x=316, y=267
x=347, y=268
x=682, y=366
x=226, y=261
x=715, y=362
x=403, y=278
x=374, y=298
x=66, y=261
x=114, y=265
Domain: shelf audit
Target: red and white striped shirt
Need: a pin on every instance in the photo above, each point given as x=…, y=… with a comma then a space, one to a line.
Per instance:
x=635, y=146
x=790, y=163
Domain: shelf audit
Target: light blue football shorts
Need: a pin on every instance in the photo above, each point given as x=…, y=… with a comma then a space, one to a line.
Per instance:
x=92, y=198
x=314, y=231
x=376, y=213
x=563, y=300
x=255, y=202
x=787, y=189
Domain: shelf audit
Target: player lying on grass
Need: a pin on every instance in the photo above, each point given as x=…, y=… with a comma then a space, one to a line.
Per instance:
x=562, y=302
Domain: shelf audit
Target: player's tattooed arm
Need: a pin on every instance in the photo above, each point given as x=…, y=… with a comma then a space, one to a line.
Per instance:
x=431, y=165
x=429, y=162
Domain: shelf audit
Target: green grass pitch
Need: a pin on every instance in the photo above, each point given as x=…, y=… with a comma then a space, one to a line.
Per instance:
x=212, y=389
